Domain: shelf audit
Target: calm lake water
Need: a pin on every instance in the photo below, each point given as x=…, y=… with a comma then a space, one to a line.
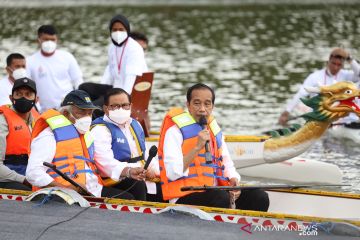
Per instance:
x=255, y=56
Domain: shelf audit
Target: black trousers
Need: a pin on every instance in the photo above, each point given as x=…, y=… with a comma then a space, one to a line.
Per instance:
x=256, y=200
x=158, y=197
x=134, y=187
x=111, y=192
x=14, y=185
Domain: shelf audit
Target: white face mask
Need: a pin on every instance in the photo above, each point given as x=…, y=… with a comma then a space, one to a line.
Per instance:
x=83, y=124
x=119, y=116
x=119, y=36
x=48, y=46
x=19, y=73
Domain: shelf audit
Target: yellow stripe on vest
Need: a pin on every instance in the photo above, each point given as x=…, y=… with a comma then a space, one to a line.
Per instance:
x=184, y=119
x=58, y=122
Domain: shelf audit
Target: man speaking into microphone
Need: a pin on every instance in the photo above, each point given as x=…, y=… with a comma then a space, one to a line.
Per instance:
x=192, y=152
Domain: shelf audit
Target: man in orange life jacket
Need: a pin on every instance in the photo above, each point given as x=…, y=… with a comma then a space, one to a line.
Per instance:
x=63, y=138
x=182, y=157
x=16, y=123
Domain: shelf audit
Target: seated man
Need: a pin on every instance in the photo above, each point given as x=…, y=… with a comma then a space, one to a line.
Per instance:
x=182, y=157
x=63, y=138
x=119, y=137
x=16, y=123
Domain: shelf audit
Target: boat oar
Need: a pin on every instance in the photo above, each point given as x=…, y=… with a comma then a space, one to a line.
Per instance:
x=68, y=179
x=232, y=188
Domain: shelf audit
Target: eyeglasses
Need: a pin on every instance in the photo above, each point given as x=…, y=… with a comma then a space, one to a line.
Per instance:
x=125, y=106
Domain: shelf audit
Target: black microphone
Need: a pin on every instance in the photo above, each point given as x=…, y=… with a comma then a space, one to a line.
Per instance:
x=208, y=157
x=152, y=154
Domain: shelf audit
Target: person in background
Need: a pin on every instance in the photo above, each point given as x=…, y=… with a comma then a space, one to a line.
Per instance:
x=181, y=153
x=63, y=139
x=56, y=72
x=141, y=39
x=119, y=137
x=332, y=73
x=15, y=68
x=16, y=122
x=126, y=60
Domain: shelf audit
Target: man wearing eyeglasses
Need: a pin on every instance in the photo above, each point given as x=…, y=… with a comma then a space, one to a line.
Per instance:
x=118, y=136
x=332, y=73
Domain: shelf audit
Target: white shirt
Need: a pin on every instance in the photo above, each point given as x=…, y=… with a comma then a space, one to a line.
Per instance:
x=173, y=157
x=104, y=156
x=55, y=76
x=43, y=149
x=6, y=86
x=324, y=78
x=130, y=59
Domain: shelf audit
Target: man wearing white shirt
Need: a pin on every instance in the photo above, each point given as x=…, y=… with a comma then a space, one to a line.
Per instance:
x=15, y=67
x=63, y=138
x=126, y=58
x=182, y=151
x=56, y=72
x=119, y=137
x=333, y=73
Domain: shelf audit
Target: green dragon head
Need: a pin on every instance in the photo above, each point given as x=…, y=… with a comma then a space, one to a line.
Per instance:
x=332, y=102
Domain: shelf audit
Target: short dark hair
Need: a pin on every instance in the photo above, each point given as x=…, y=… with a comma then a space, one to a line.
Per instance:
x=47, y=29
x=113, y=92
x=198, y=86
x=13, y=56
x=139, y=36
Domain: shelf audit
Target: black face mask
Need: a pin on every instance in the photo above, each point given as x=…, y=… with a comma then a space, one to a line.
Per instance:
x=23, y=105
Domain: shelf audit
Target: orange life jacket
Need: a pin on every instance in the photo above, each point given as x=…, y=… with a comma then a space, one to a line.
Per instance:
x=200, y=173
x=73, y=150
x=19, y=137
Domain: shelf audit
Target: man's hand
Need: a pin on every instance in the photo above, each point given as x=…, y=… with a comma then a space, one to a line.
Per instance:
x=203, y=136
x=234, y=194
x=284, y=118
x=150, y=174
x=137, y=173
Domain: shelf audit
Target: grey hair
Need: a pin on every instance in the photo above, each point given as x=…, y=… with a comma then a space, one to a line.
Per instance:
x=67, y=108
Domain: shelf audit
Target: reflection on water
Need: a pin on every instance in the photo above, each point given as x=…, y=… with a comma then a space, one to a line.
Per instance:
x=255, y=56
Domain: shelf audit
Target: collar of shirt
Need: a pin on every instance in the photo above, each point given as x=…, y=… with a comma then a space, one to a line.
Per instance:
x=11, y=82
x=328, y=73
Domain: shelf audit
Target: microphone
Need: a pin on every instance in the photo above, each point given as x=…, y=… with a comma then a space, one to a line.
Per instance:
x=152, y=154
x=208, y=157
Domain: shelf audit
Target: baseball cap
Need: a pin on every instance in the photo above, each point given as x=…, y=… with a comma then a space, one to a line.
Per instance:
x=24, y=82
x=79, y=98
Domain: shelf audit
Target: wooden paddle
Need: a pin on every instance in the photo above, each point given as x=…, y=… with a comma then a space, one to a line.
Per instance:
x=68, y=179
x=282, y=186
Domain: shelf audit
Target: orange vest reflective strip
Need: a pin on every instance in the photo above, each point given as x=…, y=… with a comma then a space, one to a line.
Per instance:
x=200, y=173
x=74, y=151
x=19, y=137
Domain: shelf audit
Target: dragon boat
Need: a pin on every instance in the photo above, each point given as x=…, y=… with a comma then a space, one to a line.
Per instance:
x=275, y=155
x=299, y=210
x=302, y=212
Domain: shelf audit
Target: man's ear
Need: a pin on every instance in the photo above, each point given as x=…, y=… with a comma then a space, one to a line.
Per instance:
x=36, y=99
